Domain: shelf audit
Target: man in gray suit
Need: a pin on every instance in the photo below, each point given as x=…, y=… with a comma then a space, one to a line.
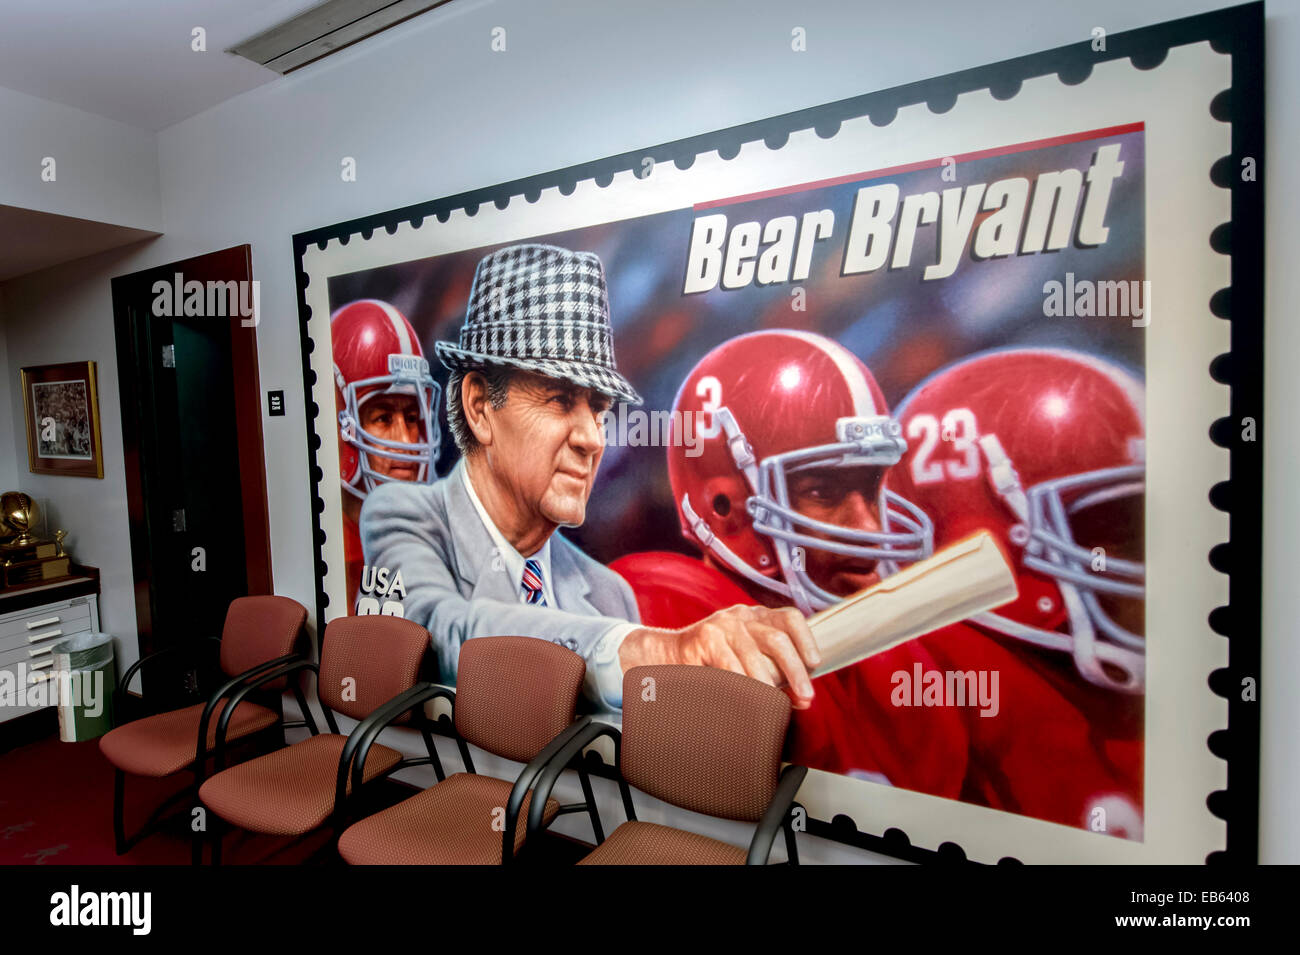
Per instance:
x=478, y=550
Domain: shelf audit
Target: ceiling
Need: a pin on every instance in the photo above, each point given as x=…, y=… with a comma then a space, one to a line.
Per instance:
x=31, y=240
x=131, y=60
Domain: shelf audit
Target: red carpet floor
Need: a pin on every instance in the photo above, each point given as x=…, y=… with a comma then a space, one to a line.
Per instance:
x=56, y=808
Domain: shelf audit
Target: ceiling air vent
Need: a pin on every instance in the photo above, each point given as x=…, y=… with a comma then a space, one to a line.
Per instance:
x=327, y=29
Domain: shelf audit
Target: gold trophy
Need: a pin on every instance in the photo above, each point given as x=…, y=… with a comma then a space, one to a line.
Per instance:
x=26, y=557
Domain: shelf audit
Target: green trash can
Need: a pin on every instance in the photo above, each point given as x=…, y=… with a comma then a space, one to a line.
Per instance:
x=86, y=671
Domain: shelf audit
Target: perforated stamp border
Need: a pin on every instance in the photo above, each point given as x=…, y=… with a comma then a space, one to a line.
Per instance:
x=1215, y=805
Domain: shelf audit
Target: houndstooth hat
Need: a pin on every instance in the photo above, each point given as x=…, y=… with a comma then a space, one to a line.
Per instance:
x=543, y=309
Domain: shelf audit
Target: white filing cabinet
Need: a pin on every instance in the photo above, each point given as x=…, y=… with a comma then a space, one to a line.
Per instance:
x=27, y=636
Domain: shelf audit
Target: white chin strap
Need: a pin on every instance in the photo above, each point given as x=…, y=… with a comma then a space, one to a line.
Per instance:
x=1005, y=480
x=710, y=542
x=746, y=462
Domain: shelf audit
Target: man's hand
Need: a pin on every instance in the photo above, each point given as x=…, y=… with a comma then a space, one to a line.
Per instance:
x=774, y=646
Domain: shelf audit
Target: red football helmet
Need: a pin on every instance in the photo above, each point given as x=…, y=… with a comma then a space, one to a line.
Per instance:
x=765, y=405
x=1043, y=448
x=376, y=351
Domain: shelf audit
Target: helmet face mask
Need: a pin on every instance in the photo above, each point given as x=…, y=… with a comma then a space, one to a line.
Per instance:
x=790, y=389
x=876, y=444
x=377, y=356
x=1089, y=578
x=1053, y=547
x=416, y=384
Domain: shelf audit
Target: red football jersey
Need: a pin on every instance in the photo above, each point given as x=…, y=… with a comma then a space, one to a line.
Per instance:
x=1044, y=752
x=1034, y=752
x=851, y=728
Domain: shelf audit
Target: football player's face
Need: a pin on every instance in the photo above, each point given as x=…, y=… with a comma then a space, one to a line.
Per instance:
x=847, y=498
x=393, y=418
x=548, y=440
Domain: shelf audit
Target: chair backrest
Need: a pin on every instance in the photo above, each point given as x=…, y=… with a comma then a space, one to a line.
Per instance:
x=515, y=694
x=367, y=660
x=705, y=739
x=259, y=629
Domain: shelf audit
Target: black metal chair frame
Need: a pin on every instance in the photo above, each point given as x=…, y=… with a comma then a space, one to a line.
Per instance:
x=216, y=824
x=777, y=816
x=368, y=731
x=122, y=843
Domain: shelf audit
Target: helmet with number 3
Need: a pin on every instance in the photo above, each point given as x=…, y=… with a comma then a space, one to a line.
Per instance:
x=1043, y=448
x=376, y=351
x=767, y=405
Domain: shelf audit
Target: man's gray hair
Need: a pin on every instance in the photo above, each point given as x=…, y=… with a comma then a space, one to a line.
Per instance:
x=498, y=378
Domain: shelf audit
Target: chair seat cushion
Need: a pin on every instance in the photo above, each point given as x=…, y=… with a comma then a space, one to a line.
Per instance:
x=455, y=822
x=166, y=743
x=291, y=791
x=645, y=843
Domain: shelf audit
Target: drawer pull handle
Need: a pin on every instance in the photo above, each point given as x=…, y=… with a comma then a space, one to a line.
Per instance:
x=43, y=664
x=33, y=624
x=37, y=677
x=41, y=651
x=44, y=636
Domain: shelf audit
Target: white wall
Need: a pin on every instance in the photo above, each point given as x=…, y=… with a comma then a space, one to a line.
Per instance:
x=1279, y=837
x=428, y=110
x=104, y=170
x=55, y=316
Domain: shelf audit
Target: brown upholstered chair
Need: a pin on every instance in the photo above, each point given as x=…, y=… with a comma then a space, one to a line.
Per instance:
x=707, y=740
x=514, y=697
x=365, y=662
x=260, y=633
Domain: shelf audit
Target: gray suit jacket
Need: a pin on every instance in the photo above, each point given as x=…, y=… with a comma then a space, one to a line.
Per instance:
x=457, y=587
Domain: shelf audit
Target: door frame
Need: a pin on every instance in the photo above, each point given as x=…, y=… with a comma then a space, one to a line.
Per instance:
x=130, y=290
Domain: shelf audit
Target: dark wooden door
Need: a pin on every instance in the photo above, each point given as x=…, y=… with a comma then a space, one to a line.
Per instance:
x=192, y=432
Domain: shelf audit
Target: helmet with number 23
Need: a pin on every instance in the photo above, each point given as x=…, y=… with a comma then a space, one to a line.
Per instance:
x=1044, y=448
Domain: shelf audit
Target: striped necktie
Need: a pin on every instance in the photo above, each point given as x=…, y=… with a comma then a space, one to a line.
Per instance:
x=531, y=586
